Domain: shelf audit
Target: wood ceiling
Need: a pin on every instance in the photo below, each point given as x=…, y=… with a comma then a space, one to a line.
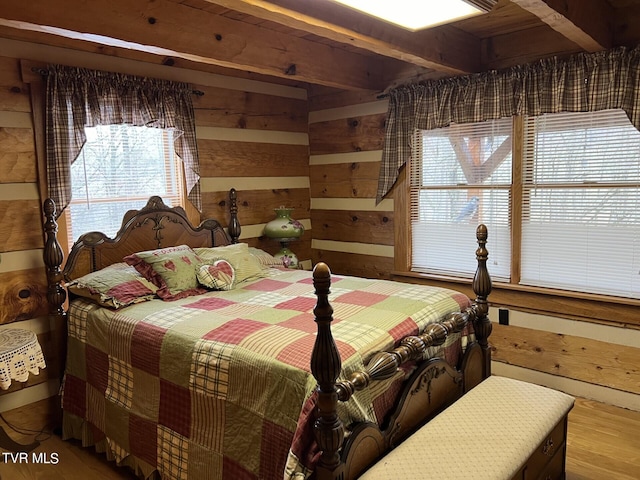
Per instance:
x=319, y=42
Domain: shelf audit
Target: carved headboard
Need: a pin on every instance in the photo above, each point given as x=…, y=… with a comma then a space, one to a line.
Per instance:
x=154, y=226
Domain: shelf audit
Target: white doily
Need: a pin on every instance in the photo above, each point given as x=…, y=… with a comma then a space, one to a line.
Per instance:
x=20, y=353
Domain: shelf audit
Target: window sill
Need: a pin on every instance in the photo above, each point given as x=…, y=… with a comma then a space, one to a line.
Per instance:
x=622, y=312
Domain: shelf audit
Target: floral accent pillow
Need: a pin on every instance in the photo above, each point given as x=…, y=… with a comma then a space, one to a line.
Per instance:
x=115, y=286
x=219, y=276
x=173, y=270
x=246, y=266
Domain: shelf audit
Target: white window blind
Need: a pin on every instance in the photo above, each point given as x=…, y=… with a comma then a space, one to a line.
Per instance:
x=118, y=169
x=460, y=176
x=581, y=209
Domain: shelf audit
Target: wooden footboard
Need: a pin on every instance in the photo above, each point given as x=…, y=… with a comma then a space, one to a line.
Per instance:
x=432, y=387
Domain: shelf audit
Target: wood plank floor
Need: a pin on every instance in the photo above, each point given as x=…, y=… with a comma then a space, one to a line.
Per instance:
x=603, y=444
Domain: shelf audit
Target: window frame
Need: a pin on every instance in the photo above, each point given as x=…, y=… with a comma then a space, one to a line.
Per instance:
x=31, y=74
x=170, y=156
x=589, y=307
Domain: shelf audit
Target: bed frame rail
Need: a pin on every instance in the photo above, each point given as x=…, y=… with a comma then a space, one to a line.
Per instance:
x=341, y=460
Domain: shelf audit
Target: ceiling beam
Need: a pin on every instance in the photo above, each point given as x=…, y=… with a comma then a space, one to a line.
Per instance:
x=169, y=29
x=430, y=48
x=587, y=23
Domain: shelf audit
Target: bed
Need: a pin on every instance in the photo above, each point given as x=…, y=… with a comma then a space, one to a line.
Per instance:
x=267, y=372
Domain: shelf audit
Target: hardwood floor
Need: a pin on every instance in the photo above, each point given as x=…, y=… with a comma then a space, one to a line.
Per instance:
x=603, y=444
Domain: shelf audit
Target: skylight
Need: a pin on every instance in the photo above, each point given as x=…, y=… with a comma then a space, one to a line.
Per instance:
x=415, y=15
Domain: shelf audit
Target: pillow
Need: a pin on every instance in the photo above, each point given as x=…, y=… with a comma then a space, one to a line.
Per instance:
x=173, y=270
x=218, y=276
x=265, y=258
x=115, y=286
x=246, y=266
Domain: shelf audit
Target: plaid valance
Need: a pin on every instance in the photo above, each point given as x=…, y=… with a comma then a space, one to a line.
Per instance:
x=580, y=83
x=79, y=98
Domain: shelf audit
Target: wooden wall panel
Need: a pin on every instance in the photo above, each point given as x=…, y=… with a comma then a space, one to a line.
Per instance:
x=344, y=180
x=368, y=266
x=221, y=158
x=257, y=206
x=356, y=134
x=20, y=225
x=584, y=359
x=10, y=73
x=516, y=48
x=222, y=107
x=14, y=94
x=258, y=142
x=23, y=295
x=353, y=226
x=323, y=98
x=17, y=156
x=345, y=140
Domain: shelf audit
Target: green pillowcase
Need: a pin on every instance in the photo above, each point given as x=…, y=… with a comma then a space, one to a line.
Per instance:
x=246, y=266
x=173, y=270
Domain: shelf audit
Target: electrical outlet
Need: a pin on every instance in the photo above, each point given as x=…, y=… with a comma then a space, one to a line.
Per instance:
x=503, y=316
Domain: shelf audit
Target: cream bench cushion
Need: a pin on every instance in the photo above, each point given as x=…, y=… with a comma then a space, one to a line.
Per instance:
x=489, y=433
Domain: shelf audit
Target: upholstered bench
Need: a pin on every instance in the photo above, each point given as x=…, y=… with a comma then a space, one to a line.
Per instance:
x=502, y=429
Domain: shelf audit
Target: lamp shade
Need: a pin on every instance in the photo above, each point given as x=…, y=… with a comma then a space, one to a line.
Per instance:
x=283, y=226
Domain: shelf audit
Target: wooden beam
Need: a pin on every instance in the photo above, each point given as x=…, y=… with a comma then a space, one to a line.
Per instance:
x=430, y=48
x=526, y=46
x=588, y=23
x=170, y=29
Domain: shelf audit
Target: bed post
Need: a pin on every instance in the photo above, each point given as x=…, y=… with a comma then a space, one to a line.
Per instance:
x=53, y=258
x=234, y=224
x=482, y=288
x=325, y=367
x=56, y=294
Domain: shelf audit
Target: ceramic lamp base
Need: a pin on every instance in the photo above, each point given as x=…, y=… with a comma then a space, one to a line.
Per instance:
x=289, y=259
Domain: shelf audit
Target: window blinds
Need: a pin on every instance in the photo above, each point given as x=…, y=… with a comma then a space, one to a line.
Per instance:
x=581, y=203
x=118, y=169
x=460, y=176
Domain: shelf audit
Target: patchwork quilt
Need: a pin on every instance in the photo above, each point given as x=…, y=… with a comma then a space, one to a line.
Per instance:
x=218, y=386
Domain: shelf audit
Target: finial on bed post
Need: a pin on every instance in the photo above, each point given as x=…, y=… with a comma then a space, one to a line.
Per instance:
x=325, y=367
x=234, y=224
x=53, y=258
x=482, y=288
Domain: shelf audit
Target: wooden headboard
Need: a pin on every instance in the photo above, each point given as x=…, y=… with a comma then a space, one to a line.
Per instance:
x=154, y=226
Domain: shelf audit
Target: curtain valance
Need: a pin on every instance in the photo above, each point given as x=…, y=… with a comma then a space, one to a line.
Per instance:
x=580, y=83
x=79, y=98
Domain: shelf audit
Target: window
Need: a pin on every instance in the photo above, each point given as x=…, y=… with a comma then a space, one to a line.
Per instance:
x=461, y=176
x=118, y=169
x=581, y=203
x=569, y=221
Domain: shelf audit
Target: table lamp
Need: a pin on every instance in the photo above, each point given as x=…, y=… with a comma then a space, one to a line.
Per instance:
x=284, y=229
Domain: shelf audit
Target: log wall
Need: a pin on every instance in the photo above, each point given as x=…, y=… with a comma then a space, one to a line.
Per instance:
x=356, y=237
x=352, y=234
x=252, y=136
